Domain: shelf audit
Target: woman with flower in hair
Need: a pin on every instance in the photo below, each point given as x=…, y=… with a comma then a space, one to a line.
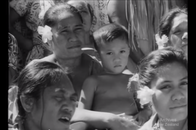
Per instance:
x=63, y=30
x=32, y=11
x=173, y=30
x=162, y=82
x=89, y=20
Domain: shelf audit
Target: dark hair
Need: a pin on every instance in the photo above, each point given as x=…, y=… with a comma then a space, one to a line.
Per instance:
x=158, y=58
x=89, y=7
x=108, y=33
x=35, y=77
x=167, y=21
x=50, y=17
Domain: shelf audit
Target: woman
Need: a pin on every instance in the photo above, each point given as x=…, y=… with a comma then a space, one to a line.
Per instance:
x=43, y=100
x=64, y=25
x=163, y=83
x=174, y=26
x=89, y=20
x=32, y=11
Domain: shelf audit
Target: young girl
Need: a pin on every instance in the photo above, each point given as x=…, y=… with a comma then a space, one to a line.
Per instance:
x=43, y=100
x=163, y=83
x=173, y=30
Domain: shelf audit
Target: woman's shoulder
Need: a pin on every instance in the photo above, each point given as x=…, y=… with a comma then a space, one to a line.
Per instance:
x=150, y=123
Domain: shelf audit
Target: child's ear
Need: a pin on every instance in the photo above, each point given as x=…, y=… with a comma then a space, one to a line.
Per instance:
x=27, y=103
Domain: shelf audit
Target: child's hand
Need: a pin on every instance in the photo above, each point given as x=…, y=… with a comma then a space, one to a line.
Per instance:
x=143, y=116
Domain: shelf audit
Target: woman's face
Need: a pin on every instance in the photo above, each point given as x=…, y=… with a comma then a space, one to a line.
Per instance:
x=68, y=36
x=84, y=11
x=178, y=35
x=56, y=106
x=170, y=86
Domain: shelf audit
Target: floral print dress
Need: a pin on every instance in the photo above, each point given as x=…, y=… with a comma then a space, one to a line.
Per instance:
x=31, y=9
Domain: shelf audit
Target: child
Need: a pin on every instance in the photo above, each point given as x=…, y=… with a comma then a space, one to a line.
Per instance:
x=45, y=98
x=107, y=92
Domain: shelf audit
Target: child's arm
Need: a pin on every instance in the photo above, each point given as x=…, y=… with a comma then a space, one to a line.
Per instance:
x=87, y=93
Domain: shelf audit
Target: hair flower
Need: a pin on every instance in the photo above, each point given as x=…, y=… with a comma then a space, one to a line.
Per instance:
x=161, y=42
x=133, y=82
x=45, y=32
x=145, y=95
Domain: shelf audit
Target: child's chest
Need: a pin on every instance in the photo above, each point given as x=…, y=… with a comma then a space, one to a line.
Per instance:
x=113, y=87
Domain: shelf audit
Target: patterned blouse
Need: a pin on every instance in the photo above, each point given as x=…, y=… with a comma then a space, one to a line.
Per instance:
x=31, y=9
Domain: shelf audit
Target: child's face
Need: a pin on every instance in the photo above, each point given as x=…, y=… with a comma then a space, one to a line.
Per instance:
x=57, y=104
x=114, y=55
x=68, y=36
x=170, y=98
x=178, y=33
x=84, y=11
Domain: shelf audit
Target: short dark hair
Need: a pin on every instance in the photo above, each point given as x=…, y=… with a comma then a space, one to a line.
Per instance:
x=149, y=65
x=50, y=17
x=108, y=33
x=35, y=77
x=167, y=20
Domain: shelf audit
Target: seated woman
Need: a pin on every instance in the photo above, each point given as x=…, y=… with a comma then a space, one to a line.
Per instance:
x=64, y=32
x=43, y=100
x=173, y=30
x=15, y=59
x=163, y=83
x=89, y=19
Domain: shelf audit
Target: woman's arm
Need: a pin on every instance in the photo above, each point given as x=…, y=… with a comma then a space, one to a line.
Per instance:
x=23, y=43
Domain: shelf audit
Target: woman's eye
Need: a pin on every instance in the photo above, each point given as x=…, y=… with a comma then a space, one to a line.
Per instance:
x=109, y=53
x=58, y=98
x=64, y=31
x=79, y=29
x=123, y=51
x=75, y=99
x=184, y=83
x=165, y=87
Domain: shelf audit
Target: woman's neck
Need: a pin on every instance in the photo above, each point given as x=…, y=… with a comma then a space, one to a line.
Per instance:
x=29, y=124
x=87, y=38
x=171, y=124
x=69, y=64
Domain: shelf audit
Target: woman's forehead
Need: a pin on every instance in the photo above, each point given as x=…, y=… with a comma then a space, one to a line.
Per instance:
x=173, y=71
x=69, y=19
x=182, y=18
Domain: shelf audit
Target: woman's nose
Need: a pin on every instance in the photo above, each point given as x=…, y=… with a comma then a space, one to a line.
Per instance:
x=185, y=36
x=72, y=37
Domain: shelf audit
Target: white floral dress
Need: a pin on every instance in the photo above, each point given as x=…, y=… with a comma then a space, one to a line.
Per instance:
x=30, y=9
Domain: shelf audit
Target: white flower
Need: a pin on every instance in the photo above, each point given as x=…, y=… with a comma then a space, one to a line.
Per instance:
x=45, y=32
x=134, y=80
x=161, y=42
x=145, y=95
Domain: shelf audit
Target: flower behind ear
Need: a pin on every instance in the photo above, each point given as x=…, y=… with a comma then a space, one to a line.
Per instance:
x=133, y=82
x=45, y=32
x=161, y=42
x=145, y=95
